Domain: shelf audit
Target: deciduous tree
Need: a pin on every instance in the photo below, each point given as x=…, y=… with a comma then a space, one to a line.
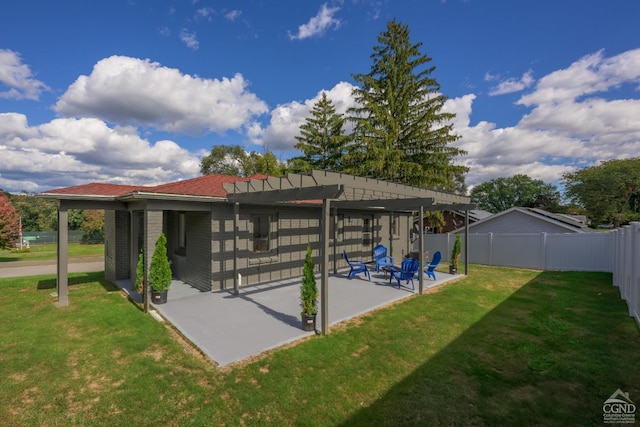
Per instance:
x=401, y=133
x=609, y=192
x=519, y=190
x=93, y=225
x=9, y=223
x=37, y=214
x=235, y=161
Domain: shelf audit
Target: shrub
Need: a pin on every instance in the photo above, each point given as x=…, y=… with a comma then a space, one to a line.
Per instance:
x=160, y=270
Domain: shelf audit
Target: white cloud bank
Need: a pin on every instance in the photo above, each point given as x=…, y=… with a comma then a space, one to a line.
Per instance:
x=576, y=118
x=126, y=90
x=572, y=123
x=72, y=151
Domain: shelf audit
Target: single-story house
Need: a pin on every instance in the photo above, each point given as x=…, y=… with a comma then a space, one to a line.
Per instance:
x=454, y=220
x=529, y=220
x=226, y=232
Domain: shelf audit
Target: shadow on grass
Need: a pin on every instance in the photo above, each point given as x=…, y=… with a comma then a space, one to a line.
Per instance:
x=78, y=279
x=551, y=354
x=8, y=259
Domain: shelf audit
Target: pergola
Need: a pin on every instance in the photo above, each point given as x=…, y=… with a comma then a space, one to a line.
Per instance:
x=339, y=191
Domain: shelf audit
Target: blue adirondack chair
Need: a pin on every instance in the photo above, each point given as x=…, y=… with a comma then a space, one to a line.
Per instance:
x=408, y=269
x=381, y=258
x=430, y=271
x=356, y=267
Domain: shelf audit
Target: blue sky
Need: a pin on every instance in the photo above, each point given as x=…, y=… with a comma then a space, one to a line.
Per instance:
x=137, y=91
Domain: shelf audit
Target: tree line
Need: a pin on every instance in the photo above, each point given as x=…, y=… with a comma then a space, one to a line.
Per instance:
x=32, y=213
x=607, y=193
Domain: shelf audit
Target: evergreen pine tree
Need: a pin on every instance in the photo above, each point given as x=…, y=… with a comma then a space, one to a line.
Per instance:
x=322, y=140
x=400, y=132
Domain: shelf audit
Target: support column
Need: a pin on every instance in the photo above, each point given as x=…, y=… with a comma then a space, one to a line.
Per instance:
x=62, y=282
x=334, y=221
x=236, y=224
x=466, y=243
x=324, y=266
x=421, y=249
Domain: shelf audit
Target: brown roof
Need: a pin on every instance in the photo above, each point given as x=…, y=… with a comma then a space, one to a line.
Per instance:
x=207, y=185
x=97, y=189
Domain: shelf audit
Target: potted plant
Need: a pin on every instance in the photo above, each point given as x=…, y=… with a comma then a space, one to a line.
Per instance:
x=308, y=294
x=160, y=272
x=455, y=255
x=140, y=272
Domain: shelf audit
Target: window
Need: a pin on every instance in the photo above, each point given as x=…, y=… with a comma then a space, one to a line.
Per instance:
x=336, y=229
x=366, y=225
x=261, y=233
x=366, y=232
x=395, y=225
x=182, y=230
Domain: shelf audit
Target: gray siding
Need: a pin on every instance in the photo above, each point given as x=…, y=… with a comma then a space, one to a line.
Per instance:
x=292, y=229
x=117, y=245
x=110, y=246
x=517, y=222
x=199, y=244
x=154, y=220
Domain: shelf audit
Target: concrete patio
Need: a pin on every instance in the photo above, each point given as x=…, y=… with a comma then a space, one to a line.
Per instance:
x=229, y=328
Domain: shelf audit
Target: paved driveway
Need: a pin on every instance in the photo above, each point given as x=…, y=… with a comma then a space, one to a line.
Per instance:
x=230, y=328
x=34, y=268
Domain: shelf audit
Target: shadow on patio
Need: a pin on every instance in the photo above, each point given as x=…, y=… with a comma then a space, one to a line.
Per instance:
x=229, y=328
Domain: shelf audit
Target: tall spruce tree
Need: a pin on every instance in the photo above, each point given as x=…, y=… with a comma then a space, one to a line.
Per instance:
x=400, y=131
x=322, y=140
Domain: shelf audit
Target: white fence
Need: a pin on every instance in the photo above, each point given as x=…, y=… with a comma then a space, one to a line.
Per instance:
x=541, y=251
x=626, y=269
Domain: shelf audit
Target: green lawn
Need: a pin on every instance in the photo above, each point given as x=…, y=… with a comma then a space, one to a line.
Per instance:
x=501, y=347
x=48, y=251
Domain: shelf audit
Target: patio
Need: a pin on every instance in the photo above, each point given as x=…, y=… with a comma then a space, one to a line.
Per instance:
x=229, y=328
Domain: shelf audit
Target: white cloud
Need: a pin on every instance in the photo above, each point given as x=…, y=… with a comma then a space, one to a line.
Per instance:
x=233, y=15
x=513, y=85
x=189, y=39
x=318, y=24
x=72, y=151
x=205, y=13
x=18, y=78
x=286, y=119
x=589, y=75
x=124, y=90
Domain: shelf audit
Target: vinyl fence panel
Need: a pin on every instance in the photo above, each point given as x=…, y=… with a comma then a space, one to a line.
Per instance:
x=541, y=251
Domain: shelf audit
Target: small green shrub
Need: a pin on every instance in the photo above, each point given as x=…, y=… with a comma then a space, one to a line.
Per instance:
x=140, y=272
x=160, y=271
x=455, y=252
x=308, y=289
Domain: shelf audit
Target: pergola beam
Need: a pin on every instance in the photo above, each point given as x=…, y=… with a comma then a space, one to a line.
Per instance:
x=289, y=195
x=385, y=204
